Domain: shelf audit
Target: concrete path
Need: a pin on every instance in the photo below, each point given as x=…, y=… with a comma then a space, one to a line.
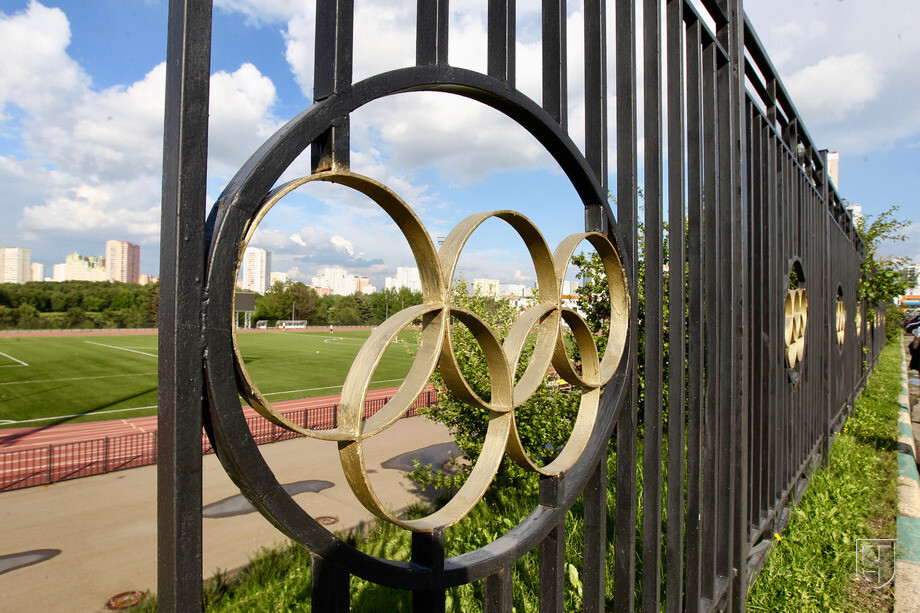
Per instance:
x=907, y=577
x=105, y=526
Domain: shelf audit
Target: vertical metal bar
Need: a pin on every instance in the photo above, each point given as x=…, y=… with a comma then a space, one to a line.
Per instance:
x=502, y=35
x=696, y=337
x=498, y=592
x=676, y=307
x=596, y=88
x=333, y=59
x=180, y=391
x=727, y=363
x=594, y=568
x=552, y=549
x=433, y=18
x=627, y=208
x=754, y=435
x=774, y=293
x=555, y=80
x=712, y=282
x=824, y=323
x=595, y=533
x=428, y=551
x=654, y=312
x=739, y=406
x=329, y=588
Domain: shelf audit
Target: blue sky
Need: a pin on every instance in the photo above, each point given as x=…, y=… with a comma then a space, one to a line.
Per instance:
x=81, y=98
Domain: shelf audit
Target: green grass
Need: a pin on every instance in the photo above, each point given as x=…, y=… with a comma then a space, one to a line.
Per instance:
x=813, y=564
x=63, y=379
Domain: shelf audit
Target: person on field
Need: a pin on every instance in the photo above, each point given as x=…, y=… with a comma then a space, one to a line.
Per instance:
x=330, y=328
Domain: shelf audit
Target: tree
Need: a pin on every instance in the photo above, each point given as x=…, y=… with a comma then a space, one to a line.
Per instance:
x=882, y=278
x=345, y=312
x=288, y=300
x=544, y=421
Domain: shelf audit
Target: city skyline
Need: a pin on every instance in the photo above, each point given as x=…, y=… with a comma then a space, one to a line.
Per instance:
x=120, y=262
x=80, y=154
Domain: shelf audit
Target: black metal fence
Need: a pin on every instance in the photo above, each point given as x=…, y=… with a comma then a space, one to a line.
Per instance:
x=63, y=461
x=762, y=369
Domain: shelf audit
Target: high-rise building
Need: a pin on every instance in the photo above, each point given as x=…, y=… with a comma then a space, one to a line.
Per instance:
x=855, y=211
x=406, y=276
x=84, y=268
x=257, y=265
x=833, y=168
x=14, y=264
x=59, y=272
x=38, y=271
x=122, y=261
x=486, y=287
x=912, y=273
x=336, y=280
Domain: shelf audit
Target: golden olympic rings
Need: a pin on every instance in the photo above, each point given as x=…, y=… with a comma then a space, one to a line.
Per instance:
x=436, y=269
x=796, y=321
x=841, y=321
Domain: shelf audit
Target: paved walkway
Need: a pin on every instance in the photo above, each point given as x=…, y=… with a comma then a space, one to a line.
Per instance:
x=907, y=578
x=105, y=526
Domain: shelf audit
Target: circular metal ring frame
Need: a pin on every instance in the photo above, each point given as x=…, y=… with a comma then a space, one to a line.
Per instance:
x=232, y=222
x=796, y=322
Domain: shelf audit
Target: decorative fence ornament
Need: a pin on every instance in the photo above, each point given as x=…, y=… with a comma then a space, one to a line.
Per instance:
x=796, y=322
x=436, y=269
x=841, y=321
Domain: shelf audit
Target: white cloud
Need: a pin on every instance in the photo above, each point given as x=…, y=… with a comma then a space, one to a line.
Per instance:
x=464, y=140
x=343, y=244
x=266, y=11
x=850, y=67
x=106, y=207
x=96, y=155
x=836, y=86
x=31, y=42
x=241, y=118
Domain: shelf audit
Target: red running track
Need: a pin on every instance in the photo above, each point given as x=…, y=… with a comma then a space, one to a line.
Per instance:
x=14, y=439
x=40, y=456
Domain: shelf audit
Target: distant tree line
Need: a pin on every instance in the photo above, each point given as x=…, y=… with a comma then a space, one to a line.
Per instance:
x=78, y=304
x=295, y=300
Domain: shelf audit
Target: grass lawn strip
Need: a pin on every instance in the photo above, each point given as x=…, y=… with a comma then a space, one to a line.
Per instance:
x=813, y=564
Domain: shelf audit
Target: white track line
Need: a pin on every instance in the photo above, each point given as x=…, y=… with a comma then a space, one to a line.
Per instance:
x=37, y=419
x=152, y=355
x=8, y=422
x=140, y=374
x=12, y=358
x=328, y=387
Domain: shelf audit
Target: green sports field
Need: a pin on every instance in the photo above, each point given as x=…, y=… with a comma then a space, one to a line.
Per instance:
x=46, y=380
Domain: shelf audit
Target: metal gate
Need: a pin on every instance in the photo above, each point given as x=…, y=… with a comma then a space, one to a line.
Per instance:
x=762, y=366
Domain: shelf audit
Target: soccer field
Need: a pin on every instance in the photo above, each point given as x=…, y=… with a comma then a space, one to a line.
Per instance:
x=46, y=380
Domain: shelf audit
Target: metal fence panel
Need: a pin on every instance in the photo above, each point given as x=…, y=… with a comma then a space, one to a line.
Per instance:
x=757, y=260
